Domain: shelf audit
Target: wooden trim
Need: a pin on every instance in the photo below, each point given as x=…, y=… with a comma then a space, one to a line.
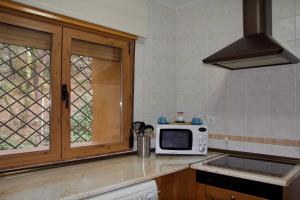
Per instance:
x=54, y=154
x=75, y=151
x=259, y=140
x=14, y=6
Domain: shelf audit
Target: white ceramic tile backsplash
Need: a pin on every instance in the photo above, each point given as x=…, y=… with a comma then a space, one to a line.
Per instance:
x=283, y=78
x=298, y=76
x=155, y=70
x=170, y=75
x=298, y=103
x=282, y=9
x=262, y=102
x=284, y=29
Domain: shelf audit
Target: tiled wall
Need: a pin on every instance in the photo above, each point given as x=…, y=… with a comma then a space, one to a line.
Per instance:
x=155, y=67
x=259, y=109
x=286, y=23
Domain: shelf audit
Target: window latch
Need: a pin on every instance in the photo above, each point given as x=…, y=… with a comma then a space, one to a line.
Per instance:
x=65, y=94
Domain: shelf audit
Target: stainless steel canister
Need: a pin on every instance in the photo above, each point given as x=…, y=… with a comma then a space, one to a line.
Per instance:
x=143, y=146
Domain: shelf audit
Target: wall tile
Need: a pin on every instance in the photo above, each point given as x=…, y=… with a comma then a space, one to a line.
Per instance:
x=138, y=104
x=218, y=144
x=283, y=78
x=236, y=124
x=235, y=102
x=298, y=103
x=257, y=103
x=283, y=126
x=297, y=7
x=258, y=148
x=139, y=84
x=216, y=79
x=282, y=9
x=297, y=27
x=297, y=133
x=298, y=75
x=221, y=125
x=297, y=48
x=258, y=126
x=257, y=114
x=159, y=103
x=258, y=80
x=284, y=29
x=236, y=146
x=282, y=102
x=236, y=80
x=191, y=103
x=171, y=103
x=291, y=46
x=216, y=101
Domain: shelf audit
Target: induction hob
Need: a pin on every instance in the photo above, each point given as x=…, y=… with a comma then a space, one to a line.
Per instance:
x=264, y=167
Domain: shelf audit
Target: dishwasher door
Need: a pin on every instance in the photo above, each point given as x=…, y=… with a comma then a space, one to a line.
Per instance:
x=141, y=191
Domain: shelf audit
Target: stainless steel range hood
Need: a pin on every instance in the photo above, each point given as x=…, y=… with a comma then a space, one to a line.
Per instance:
x=256, y=48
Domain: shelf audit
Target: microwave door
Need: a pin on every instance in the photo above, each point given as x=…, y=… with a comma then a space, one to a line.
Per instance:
x=176, y=139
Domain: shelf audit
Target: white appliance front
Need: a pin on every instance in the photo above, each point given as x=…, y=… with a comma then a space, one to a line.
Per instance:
x=141, y=191
x=181, y=139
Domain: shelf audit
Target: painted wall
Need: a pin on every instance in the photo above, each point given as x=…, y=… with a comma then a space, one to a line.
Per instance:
x=129, y=17
x=258, y=109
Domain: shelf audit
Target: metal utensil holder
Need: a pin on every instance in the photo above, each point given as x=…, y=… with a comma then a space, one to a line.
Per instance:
x=143, y=146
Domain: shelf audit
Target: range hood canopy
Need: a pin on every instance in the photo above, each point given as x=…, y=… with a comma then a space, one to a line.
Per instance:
x=256, y=48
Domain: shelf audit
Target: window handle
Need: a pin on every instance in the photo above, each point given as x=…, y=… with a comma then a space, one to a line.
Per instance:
x=65, y=94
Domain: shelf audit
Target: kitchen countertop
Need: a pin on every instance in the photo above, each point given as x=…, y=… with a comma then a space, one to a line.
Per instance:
x=281, y=181
x=88, y=179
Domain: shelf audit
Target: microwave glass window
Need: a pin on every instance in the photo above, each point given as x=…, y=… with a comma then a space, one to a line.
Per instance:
x=176, y=139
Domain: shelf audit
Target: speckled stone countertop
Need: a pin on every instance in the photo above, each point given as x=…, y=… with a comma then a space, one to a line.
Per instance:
x=84, y=180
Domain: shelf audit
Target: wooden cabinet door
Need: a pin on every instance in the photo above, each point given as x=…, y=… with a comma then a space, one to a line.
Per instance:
x=177, y=186
x=166, y=186
x=207, y=192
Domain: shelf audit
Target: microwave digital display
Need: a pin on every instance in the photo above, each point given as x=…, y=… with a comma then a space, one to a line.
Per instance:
x=176, y=139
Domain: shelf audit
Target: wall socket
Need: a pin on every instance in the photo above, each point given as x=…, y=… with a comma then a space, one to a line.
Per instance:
x=226, y=140
x=211, y=120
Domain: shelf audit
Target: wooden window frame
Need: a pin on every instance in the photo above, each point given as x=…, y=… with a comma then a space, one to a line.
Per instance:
x=39, y=155
x=37, y=19
x=126, y=85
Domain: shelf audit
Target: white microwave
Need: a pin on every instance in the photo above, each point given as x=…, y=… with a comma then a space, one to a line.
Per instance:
x=181, y=139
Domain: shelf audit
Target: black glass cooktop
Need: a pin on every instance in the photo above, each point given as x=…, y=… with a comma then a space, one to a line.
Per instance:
x=265, y=167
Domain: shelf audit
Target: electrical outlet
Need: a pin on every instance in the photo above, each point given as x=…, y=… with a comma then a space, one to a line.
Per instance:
x=211, y=120
x=226, y=140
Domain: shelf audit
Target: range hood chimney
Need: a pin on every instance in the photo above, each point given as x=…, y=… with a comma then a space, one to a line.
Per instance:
x=256, y=48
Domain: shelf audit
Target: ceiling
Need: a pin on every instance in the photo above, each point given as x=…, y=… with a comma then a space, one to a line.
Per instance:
x=178, y=3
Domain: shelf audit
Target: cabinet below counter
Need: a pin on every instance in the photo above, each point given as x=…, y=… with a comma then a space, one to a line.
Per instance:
x=93, y=178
